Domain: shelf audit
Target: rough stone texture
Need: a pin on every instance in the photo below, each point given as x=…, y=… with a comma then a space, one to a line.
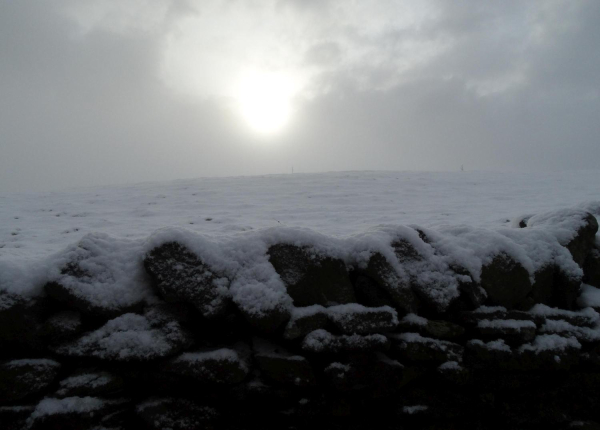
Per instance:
x=62, y=326
x=211, y=366
x=269, y=320
x=303, y=322
x=20, y=321
x=311, y=278
x=413, y=348
x=512, y=331
x=15, y=417
x=130, y=337
x=74, y=299
x=20, y=379
x=180, y=276
x=436, y=329
x=505, y=281
x=176, y=414
x=321, y=341
x=89, y=382
x=583, y=242
x=73, y=413
x=350, y=319
x=591, y=268
x=396, y=288
x=286, y=369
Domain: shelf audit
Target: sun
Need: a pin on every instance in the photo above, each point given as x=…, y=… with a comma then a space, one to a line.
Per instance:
x=265, y=101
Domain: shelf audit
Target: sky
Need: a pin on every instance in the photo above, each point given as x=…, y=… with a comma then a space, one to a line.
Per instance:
x=97, y=92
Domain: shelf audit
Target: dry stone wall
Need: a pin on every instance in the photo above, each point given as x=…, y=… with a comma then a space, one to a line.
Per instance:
x=356, y=348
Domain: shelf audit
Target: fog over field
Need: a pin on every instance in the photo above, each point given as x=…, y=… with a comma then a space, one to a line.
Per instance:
x=107, y=92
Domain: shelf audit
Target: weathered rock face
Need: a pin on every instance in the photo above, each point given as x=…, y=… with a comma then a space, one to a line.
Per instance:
x=180, y=276
x=224, y=366
x=591, y=268
x=90, y=382
x=311, y=278
x=393, y=289
x=176, y=414
x=24, y=378
x=20, y=322
x=130, y=337
x=505, y=281
x=583, y=242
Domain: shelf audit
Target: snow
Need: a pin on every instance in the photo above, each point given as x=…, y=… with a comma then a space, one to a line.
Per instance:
x=495, y=345
x=515, y=325
x=585, y=334
x=34, y=362
x=415, y=319
x=129, y=336
x=590, y=296
x=550, y=342
x=547, y=311
x=68, y=405
x=411, y=410
x=450, y=365
x=323, y=341
x=222, y=354
x=231, y=222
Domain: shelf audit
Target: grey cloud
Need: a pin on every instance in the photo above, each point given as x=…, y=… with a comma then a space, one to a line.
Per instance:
x=82, y=109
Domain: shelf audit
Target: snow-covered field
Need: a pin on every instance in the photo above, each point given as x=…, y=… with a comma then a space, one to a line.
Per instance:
x=37, y=224
x=342, y=206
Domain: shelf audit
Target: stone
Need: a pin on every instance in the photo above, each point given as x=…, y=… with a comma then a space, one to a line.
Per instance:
x=505, y=281
x=72, y=413
x=176, y=414
x=321, y=341
x=130, y=337
x=20, y=322
x=550, y=352
x=583, y=242
x=181, y=276
x=269, y=320
x=310, y=277
x=304, y=320
x=71, y=299
x=414, y=348
x=89, y=382
x=15, y=417
x=62, y=327
x=512, y=331
x=436, y=329
x=370, y=293
x=354, y=318
x=542, y=290
x=221, y=366
x=20, y=379
x=396, y=287
x=591, y=268
x=281, y=367
x=490, y=356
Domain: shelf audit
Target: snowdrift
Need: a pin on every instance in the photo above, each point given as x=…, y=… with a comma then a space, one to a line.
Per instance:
x=400, y=325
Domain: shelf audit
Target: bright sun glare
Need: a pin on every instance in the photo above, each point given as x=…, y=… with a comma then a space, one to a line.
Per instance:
x=265, y=101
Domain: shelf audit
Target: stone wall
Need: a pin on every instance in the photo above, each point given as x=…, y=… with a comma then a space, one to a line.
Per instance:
x=360, y=348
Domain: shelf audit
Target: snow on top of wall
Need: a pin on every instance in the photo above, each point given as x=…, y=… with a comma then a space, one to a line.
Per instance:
x=231, y=225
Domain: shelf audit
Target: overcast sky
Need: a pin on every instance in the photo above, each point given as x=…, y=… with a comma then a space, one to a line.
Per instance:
x=118, y=91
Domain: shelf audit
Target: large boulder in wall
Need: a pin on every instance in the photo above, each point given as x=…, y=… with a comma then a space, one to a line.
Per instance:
x=505, y=281
x=310, y=277
x=574, y=229
x=181, y=276
x=388, y=287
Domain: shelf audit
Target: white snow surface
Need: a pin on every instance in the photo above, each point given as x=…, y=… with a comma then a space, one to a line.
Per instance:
x=68, y=405
x=516, y=325
x=231, y=222
x=550, y=342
